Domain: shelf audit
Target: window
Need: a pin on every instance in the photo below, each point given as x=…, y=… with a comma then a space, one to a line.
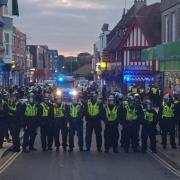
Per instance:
x=173, y=27
x=135, y=55
x=166, y=28
x=7, y=44
x=6, y=10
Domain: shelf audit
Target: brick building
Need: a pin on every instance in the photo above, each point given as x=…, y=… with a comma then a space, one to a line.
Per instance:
x=19, y=68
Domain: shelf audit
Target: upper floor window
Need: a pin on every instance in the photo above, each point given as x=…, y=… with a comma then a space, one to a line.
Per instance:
x=7, y=43
x=135, y=55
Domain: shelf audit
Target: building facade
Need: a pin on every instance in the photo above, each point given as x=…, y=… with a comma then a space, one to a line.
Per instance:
x=54, y=66
x=40, y=62
x=139, y=28
x=19, y=68
x=171, y=34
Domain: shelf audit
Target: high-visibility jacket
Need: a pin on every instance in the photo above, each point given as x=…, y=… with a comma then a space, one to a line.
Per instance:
x=59, y=111
x=45, y=109
x=176, y=101
x=134, y=90
x=31, y=110
x=168, y=111
x=2, y=105
x=12, y=108
x=149, y=116
x=154, y=90
x=93, y=109
x=74, y=110
x=131, y=114
x=111, y=115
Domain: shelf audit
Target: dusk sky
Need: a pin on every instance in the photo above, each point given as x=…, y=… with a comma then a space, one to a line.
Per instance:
x=70, y=26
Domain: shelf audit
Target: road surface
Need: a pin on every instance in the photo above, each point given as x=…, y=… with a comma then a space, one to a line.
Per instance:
x=85, y=166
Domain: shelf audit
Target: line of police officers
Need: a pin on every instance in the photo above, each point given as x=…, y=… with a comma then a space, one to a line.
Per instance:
x=55, y=119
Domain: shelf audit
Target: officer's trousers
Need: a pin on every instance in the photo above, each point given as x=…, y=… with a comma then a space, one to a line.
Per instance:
x=2, y=131
x=29, y=132
x=148, y=132
x=76, y=127
x=46, y=134
x=131, y=135
x=97, y=127
x=168, y=127
x=60, y=125
x=179, y=134
x=15, y=132
x=111, y=136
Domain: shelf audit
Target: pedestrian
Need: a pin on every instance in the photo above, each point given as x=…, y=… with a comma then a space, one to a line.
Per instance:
x=93, y=115
x=111, y=118
x=30, y=123
x=167, y=121
x=149, y=127
x=60, y=123
x=45, y=114
x=75, y=118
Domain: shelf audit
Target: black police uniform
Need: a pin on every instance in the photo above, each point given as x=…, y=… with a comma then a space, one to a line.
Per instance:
x=3, y=117
x=60, y=124
x=167, y=123
x=30, y=125
x=111, y=118
x=93, y=122
x=149, y=130
x=14, y=113
x=45, y=116
x=75, y=118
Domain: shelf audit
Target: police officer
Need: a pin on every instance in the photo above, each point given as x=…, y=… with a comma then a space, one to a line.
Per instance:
x=111, y=120
x=130, y=121
x=14, y=112
x=75, y=118
x=45, y=113
x=3, y=117
x=60, y=123
x=167, y=121
x=149, y=127
x=30, y=123
x=93, y=110
x=177, y=115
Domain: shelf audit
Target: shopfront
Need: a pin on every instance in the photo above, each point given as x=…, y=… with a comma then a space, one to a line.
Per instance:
x=141, y=76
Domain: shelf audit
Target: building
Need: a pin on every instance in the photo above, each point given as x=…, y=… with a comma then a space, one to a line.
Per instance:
x=168, y=53
x=139, y=28
x=98, y=55
x=40, y=62
x=54, y=66
x=7, y=10
x=19, y=68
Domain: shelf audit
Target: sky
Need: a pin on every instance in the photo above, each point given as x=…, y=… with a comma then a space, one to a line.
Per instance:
x=70, y=26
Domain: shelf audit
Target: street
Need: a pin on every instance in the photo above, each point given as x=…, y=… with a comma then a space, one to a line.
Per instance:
x=85, y=166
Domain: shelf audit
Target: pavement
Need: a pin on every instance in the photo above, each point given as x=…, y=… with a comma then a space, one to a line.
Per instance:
x=169, y=154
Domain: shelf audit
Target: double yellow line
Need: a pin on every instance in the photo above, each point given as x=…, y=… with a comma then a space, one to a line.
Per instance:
x=7, y=163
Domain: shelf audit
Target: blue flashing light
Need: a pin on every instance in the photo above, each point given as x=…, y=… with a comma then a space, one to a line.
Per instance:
x=70, y=92
x=127, y=78
x=61, y=79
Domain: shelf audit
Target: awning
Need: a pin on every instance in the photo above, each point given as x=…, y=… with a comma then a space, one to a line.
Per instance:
x=163, y=52
x=170, y=65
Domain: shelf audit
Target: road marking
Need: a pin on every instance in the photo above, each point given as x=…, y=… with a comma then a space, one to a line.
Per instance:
x=165, y=164
x=7, y=163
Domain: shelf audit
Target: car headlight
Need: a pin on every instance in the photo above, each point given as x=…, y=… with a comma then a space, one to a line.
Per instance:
x=59, y=92
x=73, y=93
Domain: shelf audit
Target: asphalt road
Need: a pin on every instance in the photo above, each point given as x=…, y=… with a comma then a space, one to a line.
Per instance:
x=85, y=166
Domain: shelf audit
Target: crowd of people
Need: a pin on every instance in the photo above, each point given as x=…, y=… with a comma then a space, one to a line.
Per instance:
x=129, y=121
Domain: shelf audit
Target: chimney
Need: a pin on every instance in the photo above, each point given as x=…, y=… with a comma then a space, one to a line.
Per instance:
x=124, y=12
x=139, y=4
x=105, y=27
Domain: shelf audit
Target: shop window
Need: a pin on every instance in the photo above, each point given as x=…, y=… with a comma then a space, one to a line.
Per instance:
x=7, y=45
